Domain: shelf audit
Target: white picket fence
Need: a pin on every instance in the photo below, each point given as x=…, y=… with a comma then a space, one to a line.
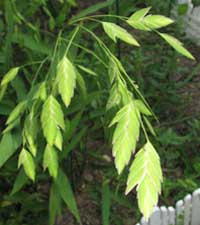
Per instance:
x=192, y=21
x=186, y=212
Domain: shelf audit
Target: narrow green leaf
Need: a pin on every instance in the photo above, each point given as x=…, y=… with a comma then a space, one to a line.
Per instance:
x=142, y=107
x=113, y=71
x=140, y=14
x=114, y=31
x=92, y=9
x=9, y=76
x=59, y=140
x=82, y=85
x=50, y=160
x=157, y=21
x=149, y=126
x=2, y=91
x=26, y=159
x=20, y=181
x=5, y=108
x=16, y=112
x=54, y=204
x=114, y=98
x=140, y=21
x=66, y=193
x=66, y=78
x=30, y=132
x=12, y=125
x=41, y=92
x=87, y=70
x=177, y=45
x=106, y=204
x=8, y=146
x=20, y=87
x=28, y=41
x=51, y=117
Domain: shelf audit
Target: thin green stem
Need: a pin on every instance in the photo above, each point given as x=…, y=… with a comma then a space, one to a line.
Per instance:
x=71, y=40
x=97, y=16
x=32, y=63
x=56, y=45
x=139, y=94
x=101, y=43
x=87, y=50
x=38, y=70
x=144, y=130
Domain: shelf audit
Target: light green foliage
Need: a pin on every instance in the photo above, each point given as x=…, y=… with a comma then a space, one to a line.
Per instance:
x=66, y=78
x=142, y=107
x=140, y=21
x=59, y=140
x=51, y=118
x=50, y=160
x=114, y=31
x=157, y=21
x=69, y=90
x=26, y=159
x=139, y=14
x=9, y=76
x=125, y=135
x=41, y=92
x=30, y=133
x=114, y=98
x=177, y=45
x=8, y=146
x=145, y=173
x=87, y=70
x=16, y=112
x=20, y=181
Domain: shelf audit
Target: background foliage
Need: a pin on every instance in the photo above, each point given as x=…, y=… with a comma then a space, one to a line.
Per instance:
x=28, y=39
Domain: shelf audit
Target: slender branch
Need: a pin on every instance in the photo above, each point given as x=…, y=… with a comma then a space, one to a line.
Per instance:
x=87, y=50
x=71, y=40
x=96, y=16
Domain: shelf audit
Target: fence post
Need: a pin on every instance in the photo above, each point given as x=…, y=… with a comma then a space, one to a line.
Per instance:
x=196, y=207
x=187, y=209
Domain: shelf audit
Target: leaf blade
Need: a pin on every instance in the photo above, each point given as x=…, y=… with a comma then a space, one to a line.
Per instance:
x=145, y=173
x=66, y=78
x=26, y=159
x=50, y=160
x=9, y=76
x=177, y=45
x=114, y=31
x=51, y=118
x=66, y=193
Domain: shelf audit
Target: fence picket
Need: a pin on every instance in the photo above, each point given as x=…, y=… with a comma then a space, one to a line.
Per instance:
x=155, y=217
x=164, y=215
x=171, y=213
x=187, y=212
x=179, y=212
x=196, y=207
x=187, y=209
x=143, y=221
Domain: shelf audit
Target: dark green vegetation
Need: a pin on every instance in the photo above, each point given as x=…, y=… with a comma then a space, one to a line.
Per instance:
x=34, y=36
